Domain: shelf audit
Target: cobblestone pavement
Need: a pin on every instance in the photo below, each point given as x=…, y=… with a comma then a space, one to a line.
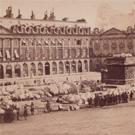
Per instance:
x=112, y=120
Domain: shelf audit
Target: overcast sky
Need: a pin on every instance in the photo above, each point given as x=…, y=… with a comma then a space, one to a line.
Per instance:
x=73, y=9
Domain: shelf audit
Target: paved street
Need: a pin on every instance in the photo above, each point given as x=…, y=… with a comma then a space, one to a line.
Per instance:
x=116, y=120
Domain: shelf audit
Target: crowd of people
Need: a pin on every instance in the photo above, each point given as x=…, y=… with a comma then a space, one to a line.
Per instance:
x=110, y=99
x=92, y=99
x=12, y=112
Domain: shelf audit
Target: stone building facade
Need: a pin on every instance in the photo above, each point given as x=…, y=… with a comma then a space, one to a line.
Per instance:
x=35, y=48
x=31, y=48
x=109, y=43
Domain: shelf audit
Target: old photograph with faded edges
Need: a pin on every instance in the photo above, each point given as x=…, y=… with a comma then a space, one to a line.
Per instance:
x=67, y=67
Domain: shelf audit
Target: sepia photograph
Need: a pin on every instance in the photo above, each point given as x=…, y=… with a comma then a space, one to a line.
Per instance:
x=67, y=67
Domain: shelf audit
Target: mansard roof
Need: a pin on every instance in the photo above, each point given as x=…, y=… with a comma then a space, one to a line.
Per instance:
x=7, y=22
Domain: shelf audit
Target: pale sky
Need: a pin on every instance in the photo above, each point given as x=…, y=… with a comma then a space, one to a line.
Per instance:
x=91, y=10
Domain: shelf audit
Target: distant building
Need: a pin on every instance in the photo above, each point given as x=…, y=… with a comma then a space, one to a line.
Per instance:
x=108, y=43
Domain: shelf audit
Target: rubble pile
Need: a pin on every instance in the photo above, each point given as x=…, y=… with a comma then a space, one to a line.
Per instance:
x=66, y=96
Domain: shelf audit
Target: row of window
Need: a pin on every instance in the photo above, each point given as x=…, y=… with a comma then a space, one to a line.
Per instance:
x=39, y=42
x=47, y=53
x=114, y=46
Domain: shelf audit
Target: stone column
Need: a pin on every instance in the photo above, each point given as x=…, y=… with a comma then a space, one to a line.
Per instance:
x=64, y=67
x=57, y=62
x=76, y=66
x=56, y=52
x=43, y=68
x=88, y=61
x=50, y=68
x=11, y=46
x=69, y=48
x=19, y=42
x=21, y=66
x=3, y=54
x=36, y=64
x=70, y=66
x=82, y=65
x=35, y=55
x=29, y=70
x=13, y=70
x=50, y=57
x=4, y=71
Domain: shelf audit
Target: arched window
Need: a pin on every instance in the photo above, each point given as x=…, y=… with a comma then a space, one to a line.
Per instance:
x=67, y=67
x=86, y=65
x=8, y=71
x=33, y=69
x=1, y=72
x=47, y=68
x=25, y=70
x=61, y=67
x=54, y=68
x=79, y=66
x=73, y=66
x=40, y=69
x=17, y=70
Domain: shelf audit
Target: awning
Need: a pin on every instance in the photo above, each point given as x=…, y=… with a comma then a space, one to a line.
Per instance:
x=8, y=54
x=60, y=42
x=53, y=42
x=23, y=42
x=46, y=42
x=39, y=42
x=16, y=54
x=1, y=54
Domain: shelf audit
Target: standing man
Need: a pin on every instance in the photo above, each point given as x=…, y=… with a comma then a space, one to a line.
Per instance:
x=32, y=108
x=48, y=106
x=18, y=113
x=25, y=114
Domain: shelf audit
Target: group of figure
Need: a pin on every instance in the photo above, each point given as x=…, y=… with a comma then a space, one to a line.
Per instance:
x=11, y=110
x=110, y=99
x=25, y=111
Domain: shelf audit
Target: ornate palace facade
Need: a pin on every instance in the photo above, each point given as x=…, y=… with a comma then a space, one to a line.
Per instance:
x=31, y=48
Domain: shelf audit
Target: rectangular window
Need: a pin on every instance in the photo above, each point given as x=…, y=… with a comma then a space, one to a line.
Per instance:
x=23, y=54
x=66, y=53
x=60, y=52
x=53, y=52
x=78, y=52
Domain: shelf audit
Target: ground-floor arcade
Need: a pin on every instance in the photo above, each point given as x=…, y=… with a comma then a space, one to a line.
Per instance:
x=42, y=68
